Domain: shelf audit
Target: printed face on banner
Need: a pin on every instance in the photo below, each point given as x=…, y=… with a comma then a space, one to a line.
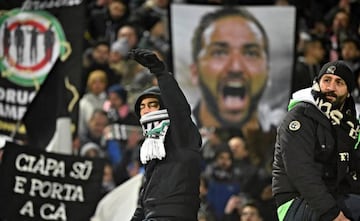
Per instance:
x=234, y=64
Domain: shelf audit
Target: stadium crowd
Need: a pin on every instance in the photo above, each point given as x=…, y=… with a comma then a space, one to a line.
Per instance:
x=235, y=183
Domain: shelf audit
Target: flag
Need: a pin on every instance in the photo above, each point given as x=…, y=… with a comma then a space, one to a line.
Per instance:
x=120, y=203
x=51, y=117
x=47, y=119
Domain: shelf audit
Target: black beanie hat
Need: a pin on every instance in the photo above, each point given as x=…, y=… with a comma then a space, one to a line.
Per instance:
x=341, y=69
x=150, y=92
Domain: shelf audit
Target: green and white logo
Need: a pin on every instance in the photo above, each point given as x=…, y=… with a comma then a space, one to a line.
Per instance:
x=31, y=42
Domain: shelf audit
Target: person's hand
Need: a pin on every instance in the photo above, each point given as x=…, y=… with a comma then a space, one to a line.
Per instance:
x=233, y=203
x=341, y=217
x=148, y=59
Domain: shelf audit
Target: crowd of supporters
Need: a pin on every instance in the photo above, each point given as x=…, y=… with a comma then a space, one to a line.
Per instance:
x=234, y=185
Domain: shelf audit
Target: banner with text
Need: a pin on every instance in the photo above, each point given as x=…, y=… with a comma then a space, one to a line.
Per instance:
x=36, y=185
x=37, y=38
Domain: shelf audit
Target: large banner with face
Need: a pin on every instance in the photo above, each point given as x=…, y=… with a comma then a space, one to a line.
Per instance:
x=234, y=64
x=37, y=185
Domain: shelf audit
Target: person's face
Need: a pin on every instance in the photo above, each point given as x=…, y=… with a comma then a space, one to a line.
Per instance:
x=148, y=105
x=92, y=153
x=341, y=20
x=97, y=125
x=318, y=51
x=114, y=57
x=130, y=34
x=250, y=213
x=101, y=54
x=232, y=66
x=237, y=146
x=349, y=51
x=98, y=86
x=334, y=88
x=117, y=10
x=108, y=173
x=115, y=100
x=224, y=160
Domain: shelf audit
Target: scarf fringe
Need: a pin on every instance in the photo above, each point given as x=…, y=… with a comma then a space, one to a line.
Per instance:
x=152, y=149
x=155, y=125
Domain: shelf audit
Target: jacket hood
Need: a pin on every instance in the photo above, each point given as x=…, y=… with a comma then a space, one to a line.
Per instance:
x=150, y=92
x=303, y=95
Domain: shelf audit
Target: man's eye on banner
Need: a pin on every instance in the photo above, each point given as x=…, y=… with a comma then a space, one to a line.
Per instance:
x=31, y=42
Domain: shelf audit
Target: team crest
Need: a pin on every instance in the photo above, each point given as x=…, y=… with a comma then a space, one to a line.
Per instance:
x=294, y=125
x=331, y=69
x=31, y=42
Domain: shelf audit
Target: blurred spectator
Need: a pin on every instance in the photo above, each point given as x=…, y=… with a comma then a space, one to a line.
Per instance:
x=251, y=212
x=308, y=65
x=340, y=30
x=108, y=183
x=91, y=150
x=242, y=208
x=95, y=128
x=97, y=6
x=105, y=24
x=350, y=7
x=148, y=13
x=156, y=39
x=130, y=33
x=117, y=57
x=121, y=117
x=206, y=210
x=97, y=58
x=350, y=53
x=246, y=172
x=127, y=38
x=232, y=211
x=130, y=164
x=118, y=109
x=93, y=99
x=76, y=145
x=222, y=181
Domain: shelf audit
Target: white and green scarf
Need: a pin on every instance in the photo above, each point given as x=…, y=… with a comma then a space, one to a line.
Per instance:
x=155, y=125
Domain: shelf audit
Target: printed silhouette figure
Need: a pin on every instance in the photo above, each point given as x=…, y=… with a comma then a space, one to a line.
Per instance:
x=6, y=40
x=33, y=44
x=19, y=43
x=49, y=40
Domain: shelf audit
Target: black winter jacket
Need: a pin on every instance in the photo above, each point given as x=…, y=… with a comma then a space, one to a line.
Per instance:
x=305, y=160
x=171, y=186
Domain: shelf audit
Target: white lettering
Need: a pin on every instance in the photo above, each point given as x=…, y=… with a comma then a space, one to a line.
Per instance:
x=50, y=4
x=81, y=170
x=27, y=209
x=16, y=96
x=12, y=112
x=49, y=212
x=19, y=184
x=21, y=160
x=44, y=166
x=55, y=190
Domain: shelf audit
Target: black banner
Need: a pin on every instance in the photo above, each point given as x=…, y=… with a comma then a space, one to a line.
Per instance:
x=37, y=38
x=36, y=185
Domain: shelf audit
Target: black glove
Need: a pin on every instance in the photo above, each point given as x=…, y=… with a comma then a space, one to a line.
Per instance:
x=148, y=59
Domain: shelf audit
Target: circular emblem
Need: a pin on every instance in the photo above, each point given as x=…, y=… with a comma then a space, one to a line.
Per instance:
x=31, y=42
x=294, y=125
x=331, y=69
